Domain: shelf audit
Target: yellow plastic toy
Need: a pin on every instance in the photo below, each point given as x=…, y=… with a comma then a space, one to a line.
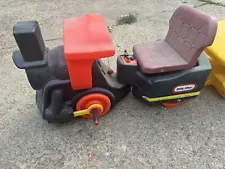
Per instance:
x=216, y=54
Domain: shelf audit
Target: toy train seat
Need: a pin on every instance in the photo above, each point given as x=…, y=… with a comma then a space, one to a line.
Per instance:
x=175, y=68
x=190, y=32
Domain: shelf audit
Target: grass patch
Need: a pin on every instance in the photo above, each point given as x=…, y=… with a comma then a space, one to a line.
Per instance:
x=127, y=19
x=212, y=2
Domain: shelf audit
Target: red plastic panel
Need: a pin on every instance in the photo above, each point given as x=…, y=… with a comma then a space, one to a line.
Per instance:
x=86, y=39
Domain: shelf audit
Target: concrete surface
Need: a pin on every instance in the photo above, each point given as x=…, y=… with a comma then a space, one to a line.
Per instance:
x=219, y=1
x=133, y=135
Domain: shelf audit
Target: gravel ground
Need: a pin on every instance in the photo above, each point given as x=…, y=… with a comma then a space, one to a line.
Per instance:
x=133, y=135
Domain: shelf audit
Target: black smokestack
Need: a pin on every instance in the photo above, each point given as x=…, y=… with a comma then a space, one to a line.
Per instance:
x=29, y=40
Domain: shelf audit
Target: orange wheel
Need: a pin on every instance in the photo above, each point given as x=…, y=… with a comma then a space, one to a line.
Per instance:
x=96, y=98
x=173, y=103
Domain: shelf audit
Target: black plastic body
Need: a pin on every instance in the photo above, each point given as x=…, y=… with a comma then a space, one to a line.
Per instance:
x=56, y=99
x=163, y=84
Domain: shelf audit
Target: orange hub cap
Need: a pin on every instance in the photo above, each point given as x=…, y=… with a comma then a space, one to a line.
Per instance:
x=96, y=98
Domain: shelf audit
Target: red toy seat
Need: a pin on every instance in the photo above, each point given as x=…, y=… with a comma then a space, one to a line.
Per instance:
x=190, y=32
x=86, y=39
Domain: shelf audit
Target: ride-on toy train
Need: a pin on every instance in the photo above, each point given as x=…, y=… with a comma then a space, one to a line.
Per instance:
x=71, y=80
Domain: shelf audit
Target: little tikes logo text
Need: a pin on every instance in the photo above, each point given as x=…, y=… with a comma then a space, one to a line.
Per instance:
x=184, y=88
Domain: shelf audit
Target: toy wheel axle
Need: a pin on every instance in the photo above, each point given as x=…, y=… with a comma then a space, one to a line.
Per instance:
x=95, y=116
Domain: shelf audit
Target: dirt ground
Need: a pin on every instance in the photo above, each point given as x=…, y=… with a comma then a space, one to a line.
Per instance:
x=133, y=135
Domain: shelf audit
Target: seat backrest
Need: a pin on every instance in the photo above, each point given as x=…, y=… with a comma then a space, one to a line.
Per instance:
x=190, y=32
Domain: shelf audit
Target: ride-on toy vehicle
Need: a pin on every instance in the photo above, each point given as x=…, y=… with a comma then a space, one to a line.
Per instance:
x=71, y=80
x=216, y=54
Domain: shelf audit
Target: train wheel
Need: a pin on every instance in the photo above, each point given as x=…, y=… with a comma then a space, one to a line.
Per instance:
x=94, y=98
x=173, y=103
